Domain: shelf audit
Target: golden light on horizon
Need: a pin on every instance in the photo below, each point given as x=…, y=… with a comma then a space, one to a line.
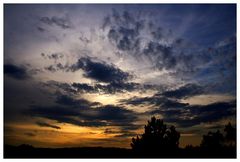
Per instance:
x=68, y=136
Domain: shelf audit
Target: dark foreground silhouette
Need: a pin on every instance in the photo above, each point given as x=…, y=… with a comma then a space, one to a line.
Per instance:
x=157, y=141
x=25, y=151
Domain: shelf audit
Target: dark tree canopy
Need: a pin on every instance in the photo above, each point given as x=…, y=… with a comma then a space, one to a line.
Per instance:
x=157, y=138
x=212, y=140
x=231, y=134
x=217, y=139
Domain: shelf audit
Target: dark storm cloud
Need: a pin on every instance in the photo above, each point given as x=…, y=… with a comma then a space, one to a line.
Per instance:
x=16, y=72
x=185, y=91
x=64, y=23
x=184, y=114
x=50, y=112
x=94, y=69
x=100, y=71
x=114, y=78
x=215, y=111
x=193, y=115
x=44, y=124
x=84, y=113
x=101, y=116
x=117, y=115
x=68, y=101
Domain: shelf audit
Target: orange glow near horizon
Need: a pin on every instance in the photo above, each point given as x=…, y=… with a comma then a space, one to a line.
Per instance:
x=75, y=136
x=68, y=136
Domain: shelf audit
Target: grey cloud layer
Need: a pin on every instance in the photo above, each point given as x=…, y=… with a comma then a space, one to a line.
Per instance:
x=194, y=115
x=184, y=114
x=84, y=113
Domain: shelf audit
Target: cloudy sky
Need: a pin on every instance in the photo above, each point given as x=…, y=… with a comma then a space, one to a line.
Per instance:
x=92, y=75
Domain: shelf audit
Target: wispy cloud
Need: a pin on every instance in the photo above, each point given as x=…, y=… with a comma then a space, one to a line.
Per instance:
x=44, y=124
x=64, y=23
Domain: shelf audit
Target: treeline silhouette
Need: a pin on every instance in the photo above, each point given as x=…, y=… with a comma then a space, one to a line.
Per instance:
x=158, y=141
x=162, y=141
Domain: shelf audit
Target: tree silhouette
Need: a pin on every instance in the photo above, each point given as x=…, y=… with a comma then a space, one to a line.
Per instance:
x=212, y=140
x=217, y=139
x=230, y=137
x=216, y=144
x=157, y=138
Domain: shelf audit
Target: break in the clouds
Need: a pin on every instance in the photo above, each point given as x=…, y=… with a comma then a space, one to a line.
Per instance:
x=109, y=70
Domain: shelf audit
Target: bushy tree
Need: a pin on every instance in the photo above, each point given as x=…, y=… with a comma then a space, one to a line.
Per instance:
x=157, y=137
x=230, y=137
x=217, y=139
x=212, y=140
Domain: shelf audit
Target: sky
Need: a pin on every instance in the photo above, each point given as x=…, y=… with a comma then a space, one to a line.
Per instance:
x=78, y=75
